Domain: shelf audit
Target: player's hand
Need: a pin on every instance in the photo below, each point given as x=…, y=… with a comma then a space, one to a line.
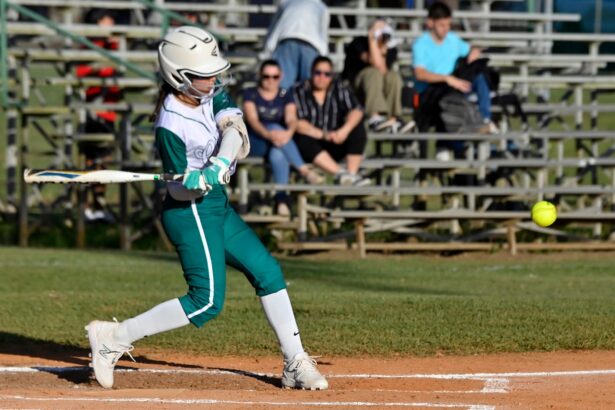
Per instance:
x=217, y=172
x=194, y=181
x=459, y=84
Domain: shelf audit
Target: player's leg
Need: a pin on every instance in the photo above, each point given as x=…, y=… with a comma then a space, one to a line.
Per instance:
x=245, y=252
x=196, y=230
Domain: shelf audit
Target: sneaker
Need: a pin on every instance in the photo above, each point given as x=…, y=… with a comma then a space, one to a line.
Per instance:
x=301, y=373
x=98, y=215
x=443, y=154
x=346, y=178
x=343, y=178
x=391, y=125
x=359, y=180
x=407, y=127
x=106, y=351
x=375, y=120
x=313, y=178
x=493, y=129
x=282, y=209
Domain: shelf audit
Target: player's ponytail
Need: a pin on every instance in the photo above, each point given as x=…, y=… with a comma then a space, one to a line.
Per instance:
x=165, y=89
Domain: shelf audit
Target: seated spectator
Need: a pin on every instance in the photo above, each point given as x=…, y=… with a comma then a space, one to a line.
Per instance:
x=435, y=54
x=96, y=153
x=271, y=116
x=330, y=126
x=369, y=68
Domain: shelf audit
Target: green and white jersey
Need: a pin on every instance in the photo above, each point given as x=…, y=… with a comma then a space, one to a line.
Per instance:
x=186, y=137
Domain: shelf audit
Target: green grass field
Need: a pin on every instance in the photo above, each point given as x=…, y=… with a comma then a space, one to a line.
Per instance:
x=414, y=305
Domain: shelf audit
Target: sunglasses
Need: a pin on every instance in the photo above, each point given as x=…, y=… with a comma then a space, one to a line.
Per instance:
x=270, y=77
x=325, y=73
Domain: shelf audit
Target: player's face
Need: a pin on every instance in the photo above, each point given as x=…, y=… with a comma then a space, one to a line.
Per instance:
x=322, y=75
x=441, y=27
x=204, y=84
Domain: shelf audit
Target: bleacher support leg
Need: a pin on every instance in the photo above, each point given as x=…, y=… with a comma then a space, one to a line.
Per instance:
x=81, y=192
x=302, y=215
x=396, y=180
x=243, y=190
x=360, y=231
x=511, y=237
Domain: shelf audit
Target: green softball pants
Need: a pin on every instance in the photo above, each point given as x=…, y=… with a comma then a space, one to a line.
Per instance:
x=208, y=234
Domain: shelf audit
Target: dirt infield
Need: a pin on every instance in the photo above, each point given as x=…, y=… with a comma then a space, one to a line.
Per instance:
x=167, y=380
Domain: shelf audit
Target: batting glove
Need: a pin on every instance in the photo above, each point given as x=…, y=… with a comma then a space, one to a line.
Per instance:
x=217, y=173
x=194, y=181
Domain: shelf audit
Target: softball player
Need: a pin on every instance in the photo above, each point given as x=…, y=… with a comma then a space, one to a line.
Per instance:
x=200, y=130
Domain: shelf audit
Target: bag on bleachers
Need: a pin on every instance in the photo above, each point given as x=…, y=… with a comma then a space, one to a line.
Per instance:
x=459, y=114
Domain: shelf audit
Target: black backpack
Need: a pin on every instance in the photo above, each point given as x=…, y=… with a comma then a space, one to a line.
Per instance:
x=458, y=114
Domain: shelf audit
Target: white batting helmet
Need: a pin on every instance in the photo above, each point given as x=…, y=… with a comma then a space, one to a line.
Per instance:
x=189, y=51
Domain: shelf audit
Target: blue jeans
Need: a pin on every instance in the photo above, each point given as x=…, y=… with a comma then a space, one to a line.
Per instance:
x=280, y=158
x=481, y=89
x=295, y=58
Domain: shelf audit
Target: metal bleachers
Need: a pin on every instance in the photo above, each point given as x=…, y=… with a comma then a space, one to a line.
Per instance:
x=564, y=161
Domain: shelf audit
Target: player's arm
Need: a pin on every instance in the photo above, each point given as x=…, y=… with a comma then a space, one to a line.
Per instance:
x=235, y=142
x=234, y=145
x=421, y=74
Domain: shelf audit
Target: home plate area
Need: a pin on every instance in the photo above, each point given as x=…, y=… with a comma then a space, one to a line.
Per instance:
x=167, y=380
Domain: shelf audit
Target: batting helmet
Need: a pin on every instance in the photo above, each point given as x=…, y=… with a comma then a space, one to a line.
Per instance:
x=189, y=51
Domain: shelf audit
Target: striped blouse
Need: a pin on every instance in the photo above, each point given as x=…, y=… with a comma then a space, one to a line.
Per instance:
x=339, y=101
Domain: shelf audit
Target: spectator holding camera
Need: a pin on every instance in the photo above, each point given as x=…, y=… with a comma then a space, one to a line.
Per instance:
x=271, y=116
x=330, y=126
x=369, y=67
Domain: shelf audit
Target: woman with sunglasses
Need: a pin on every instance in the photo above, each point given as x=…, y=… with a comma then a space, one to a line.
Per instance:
x=330, y=126
x=200, y=130
x=271, y=115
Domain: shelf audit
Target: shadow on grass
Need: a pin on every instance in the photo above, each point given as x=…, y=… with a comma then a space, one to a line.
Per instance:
x=19, y=345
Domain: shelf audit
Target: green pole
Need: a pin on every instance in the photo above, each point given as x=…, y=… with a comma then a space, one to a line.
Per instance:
x=3, y=55
x=82, y=40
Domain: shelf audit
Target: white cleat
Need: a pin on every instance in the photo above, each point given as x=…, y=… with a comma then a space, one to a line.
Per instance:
x=105, y=350
x=301, y=373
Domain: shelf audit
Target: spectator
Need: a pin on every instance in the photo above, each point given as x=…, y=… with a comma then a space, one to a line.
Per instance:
x=369, y=68
x=436, y=53
x=298, y=33
x=271, y=115
x=100, y=122
x=330, y=125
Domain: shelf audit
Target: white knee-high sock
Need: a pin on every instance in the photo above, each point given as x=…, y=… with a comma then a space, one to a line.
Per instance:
x=168, y=315
x=280, y=315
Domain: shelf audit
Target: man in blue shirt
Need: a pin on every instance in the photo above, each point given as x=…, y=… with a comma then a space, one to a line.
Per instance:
x=435, y=54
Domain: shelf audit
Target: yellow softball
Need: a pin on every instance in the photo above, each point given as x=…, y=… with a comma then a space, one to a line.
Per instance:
x=544, y=213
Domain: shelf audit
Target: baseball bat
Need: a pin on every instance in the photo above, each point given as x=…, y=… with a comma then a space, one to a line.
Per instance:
x=93, y=177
